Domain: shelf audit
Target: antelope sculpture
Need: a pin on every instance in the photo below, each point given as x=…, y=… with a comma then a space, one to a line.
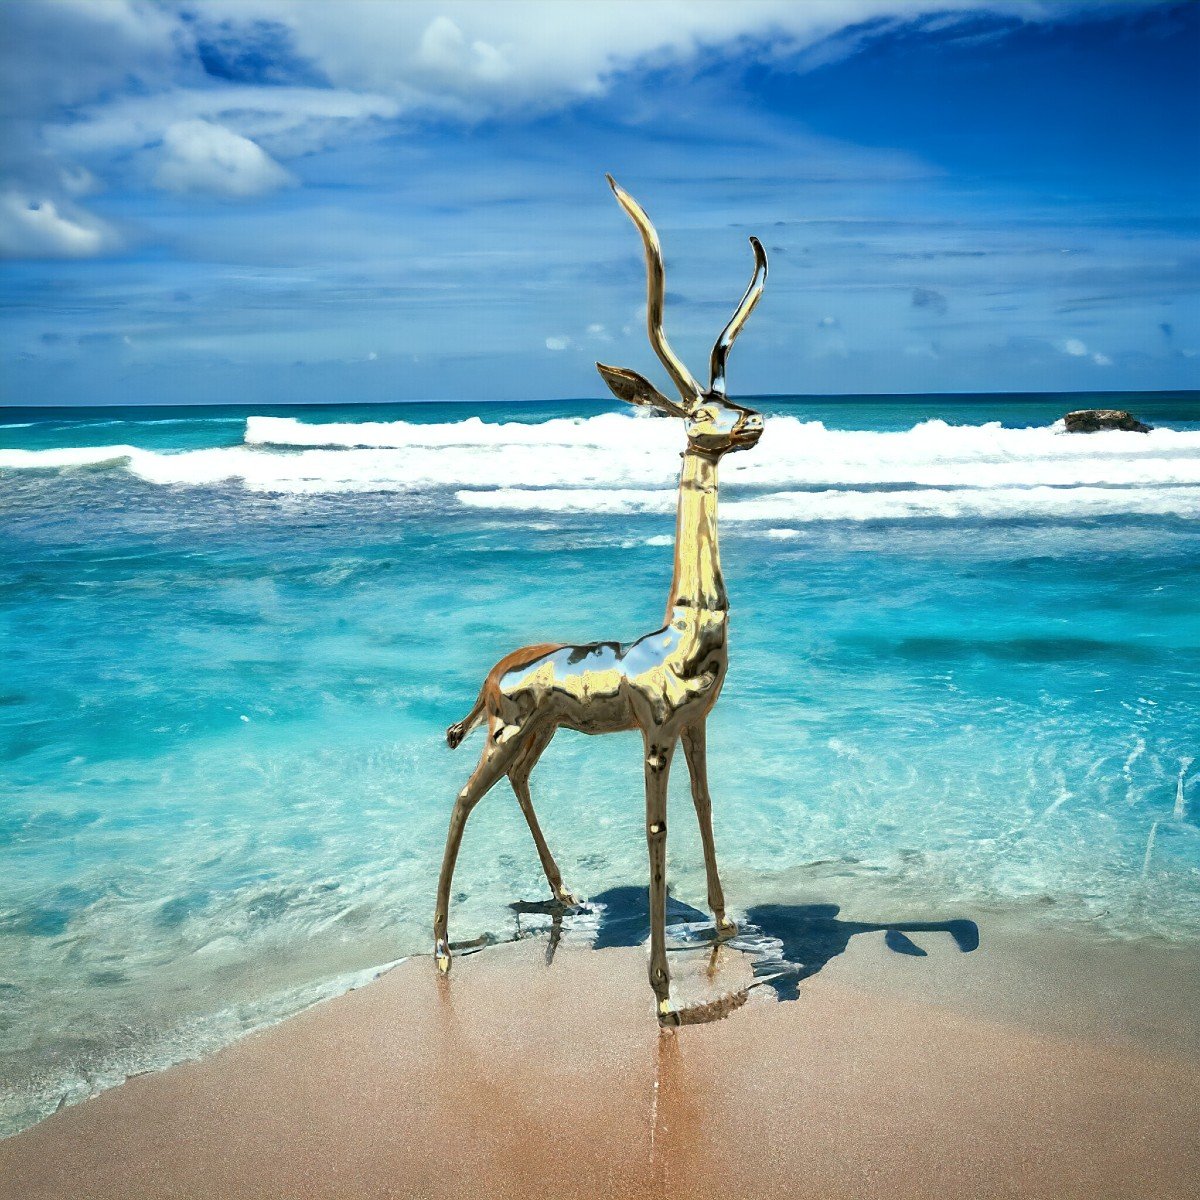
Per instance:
x=665, y=683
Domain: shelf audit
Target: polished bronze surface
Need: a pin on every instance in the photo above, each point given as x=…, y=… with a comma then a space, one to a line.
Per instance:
x=665, y=683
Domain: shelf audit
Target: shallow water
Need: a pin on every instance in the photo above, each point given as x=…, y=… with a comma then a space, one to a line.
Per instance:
x=963, y=675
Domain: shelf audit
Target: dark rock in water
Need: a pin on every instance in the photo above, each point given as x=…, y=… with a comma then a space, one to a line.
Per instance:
x=1092, y=420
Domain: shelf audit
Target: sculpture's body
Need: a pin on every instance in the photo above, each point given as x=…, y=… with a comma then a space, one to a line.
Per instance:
x=665, y=683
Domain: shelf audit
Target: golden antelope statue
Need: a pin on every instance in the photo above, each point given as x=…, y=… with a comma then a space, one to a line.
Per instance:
x=665, y=683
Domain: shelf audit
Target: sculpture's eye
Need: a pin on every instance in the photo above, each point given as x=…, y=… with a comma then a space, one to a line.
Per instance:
x=704, y=415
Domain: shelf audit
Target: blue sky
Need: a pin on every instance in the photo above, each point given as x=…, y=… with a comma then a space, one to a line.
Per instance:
x=272, y=201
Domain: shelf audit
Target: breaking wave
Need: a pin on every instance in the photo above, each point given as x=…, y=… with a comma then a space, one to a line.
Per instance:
x=621, y=463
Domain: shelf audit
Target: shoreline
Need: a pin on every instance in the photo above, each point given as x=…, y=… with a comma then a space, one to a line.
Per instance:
x=1041, y=970
x=1063, y=1065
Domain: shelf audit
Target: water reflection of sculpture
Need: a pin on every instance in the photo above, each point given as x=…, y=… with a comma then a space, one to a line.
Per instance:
x=664, y=683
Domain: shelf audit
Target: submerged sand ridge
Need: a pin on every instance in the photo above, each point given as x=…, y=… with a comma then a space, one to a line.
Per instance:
x=516, y=1078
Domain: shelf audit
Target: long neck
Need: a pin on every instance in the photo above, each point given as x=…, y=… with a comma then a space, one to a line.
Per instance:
x=697, y=582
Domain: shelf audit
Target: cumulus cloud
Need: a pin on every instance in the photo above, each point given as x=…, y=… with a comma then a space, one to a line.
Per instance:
x=492, y=57
x=558, y=343
x=444, y=48
x=87, y=86
x=201, y=157
x=53, y=56
x=40, y=228
x=1075, y=347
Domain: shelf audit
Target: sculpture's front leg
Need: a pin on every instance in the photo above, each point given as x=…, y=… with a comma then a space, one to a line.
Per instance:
x=695, y=751
x=659, y=749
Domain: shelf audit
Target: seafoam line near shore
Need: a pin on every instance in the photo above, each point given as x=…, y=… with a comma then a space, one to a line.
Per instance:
x=986, y=504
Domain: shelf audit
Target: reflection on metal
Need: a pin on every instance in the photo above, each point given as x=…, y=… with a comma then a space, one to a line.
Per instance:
x=663, y=684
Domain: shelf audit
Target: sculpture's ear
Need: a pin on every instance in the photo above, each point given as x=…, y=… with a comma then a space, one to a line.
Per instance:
x=631, y=387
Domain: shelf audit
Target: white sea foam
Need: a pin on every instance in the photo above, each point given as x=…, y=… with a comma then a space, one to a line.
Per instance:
x=621, y=463
x=804, y=507
x=64, y=456
x=932, y=453
x=606, y=428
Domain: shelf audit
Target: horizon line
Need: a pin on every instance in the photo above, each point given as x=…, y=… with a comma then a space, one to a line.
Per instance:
x=768, y=396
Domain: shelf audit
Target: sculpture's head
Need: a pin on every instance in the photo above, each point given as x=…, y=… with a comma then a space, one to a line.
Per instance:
x=715, y=425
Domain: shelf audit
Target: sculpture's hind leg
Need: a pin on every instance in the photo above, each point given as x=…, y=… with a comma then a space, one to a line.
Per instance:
x=518, y=775
x=695, y=751
x=503, y=744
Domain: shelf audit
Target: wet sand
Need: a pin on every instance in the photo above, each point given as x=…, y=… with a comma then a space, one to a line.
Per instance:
x=889, y=1077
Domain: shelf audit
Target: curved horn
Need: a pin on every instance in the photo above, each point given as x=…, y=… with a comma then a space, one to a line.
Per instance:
x=689, y=389
x=720, y=351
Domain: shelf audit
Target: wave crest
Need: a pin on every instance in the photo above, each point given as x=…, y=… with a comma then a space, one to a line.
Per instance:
x=621, y=463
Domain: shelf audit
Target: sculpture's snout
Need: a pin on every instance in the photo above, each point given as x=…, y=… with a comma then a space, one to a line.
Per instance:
x=748, y=430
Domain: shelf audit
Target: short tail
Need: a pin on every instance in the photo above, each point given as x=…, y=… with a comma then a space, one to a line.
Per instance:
x=456, y=733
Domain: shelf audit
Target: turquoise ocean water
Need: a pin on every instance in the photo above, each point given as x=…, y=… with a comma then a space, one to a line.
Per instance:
x=965, y=674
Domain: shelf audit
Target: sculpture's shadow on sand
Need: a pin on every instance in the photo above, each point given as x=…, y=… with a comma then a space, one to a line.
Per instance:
x=787, y=942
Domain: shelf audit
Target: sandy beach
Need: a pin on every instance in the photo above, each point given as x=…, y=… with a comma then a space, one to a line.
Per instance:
x=1003, y=1072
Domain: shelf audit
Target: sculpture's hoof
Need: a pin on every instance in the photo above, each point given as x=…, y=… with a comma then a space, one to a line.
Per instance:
x=563, y=896
x=726, y=929
x=668, y=1018
x=441, y=953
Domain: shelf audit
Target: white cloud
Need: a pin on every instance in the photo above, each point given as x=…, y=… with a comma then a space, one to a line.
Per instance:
x=289, y=120
x=104, y=81
x=558, y=343
x=1078, y=349
x=201, y=157
x=70, y=51
x=445, y=56
x=32, y=227
x=543, y=52
x=444, y=49
x=467, y=58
